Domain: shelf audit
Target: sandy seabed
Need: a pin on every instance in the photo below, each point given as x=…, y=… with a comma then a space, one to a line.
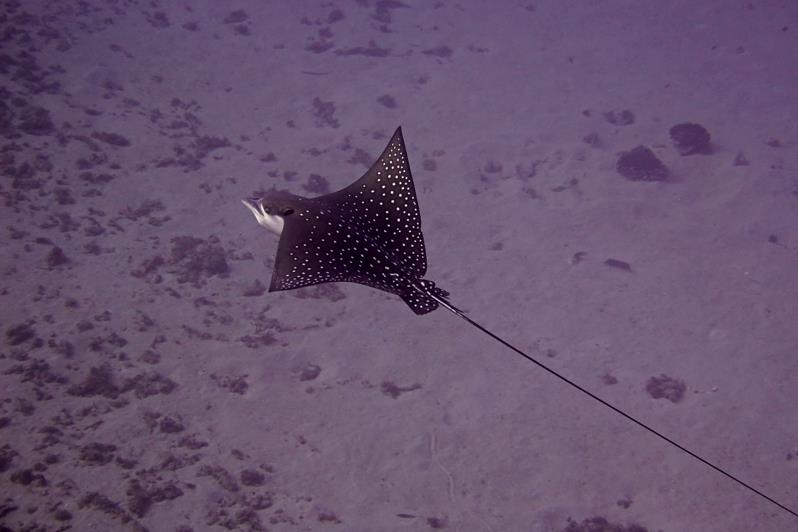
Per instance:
x=148, y=380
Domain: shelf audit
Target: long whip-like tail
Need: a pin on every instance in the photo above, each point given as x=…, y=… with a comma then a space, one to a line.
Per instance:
x=448, y=306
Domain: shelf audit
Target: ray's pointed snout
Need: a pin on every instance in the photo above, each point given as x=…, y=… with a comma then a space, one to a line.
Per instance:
x=271, y=222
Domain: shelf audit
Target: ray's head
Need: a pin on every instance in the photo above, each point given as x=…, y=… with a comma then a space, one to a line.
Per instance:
x=272, y=209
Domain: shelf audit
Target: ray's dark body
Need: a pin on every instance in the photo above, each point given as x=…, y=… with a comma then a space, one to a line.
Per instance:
x=367, y=233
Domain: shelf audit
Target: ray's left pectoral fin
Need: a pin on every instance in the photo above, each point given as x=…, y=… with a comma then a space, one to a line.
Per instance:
x=286, y=274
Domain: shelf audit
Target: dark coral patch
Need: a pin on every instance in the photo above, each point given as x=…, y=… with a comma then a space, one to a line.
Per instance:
x=690, y=138
x=640, y=164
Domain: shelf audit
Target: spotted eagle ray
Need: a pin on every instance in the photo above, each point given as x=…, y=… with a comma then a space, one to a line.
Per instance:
x=370, y=233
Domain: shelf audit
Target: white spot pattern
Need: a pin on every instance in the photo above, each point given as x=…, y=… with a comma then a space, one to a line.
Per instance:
x=367, y=233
